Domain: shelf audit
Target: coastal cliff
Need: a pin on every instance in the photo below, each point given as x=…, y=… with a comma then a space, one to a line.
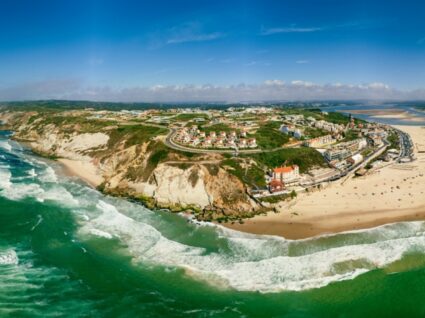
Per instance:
x=131, y=160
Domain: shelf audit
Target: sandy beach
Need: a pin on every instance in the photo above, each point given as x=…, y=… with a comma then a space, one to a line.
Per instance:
x=391, y=194
x=378, y=111
x=82, y=169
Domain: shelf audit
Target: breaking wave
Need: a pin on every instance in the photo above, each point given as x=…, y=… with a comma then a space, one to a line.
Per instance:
x=5, y=177
x=264, y=263
x=9, y=258
x=5, y=145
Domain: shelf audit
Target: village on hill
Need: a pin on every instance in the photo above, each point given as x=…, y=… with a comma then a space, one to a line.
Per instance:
x=347, y=145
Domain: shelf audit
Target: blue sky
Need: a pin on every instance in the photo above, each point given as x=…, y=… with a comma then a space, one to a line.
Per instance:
x=104, y=48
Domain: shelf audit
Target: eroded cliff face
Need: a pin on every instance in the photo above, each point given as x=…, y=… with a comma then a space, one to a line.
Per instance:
x=174, y=181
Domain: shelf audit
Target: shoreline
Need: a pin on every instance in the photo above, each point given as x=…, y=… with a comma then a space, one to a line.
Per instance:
x=338, y=223
x=394, y=193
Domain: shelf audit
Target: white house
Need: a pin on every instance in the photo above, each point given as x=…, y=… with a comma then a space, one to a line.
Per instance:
x=286, y=174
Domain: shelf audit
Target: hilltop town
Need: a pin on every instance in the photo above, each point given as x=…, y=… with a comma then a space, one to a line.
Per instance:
x=345, y=143
x=265, y=154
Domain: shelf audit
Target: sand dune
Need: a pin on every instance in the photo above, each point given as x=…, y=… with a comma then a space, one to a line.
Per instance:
x=84, y=170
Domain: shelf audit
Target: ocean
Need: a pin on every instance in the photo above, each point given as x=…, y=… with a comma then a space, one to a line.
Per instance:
x=68, y=250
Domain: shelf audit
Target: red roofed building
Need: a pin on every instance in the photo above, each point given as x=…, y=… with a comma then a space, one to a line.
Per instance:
x=286, y=174
x=276, y=186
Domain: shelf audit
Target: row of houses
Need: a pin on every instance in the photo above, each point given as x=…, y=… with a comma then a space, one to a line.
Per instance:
x=196, y=138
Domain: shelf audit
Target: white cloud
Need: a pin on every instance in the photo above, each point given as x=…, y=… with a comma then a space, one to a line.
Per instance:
x=378, y=85
x=258, y=63
x=291, y=29
x=183, y=33
x=194, y=38
x=269, y=90
x=190, y=32
x=274, y=82
x=302, y=61
x=251, y=63
x=302, y=83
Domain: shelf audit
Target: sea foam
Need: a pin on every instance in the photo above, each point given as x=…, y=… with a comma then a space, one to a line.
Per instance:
x=261, y=263
x=9, y=258
x=5, y=145
x=5, y=177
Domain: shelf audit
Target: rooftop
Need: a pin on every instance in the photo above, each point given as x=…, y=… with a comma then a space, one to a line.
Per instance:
x=285, y=169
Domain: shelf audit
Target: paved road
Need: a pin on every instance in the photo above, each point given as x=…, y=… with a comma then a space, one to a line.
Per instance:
x=406, y=145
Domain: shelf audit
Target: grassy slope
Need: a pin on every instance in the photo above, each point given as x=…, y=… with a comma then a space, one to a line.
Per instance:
x=189, y=117
x=305, y=158
x=269, y=137
x=217, y=128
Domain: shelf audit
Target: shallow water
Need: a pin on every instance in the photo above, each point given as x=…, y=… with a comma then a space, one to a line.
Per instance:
x=418, y=114
x=67, y=249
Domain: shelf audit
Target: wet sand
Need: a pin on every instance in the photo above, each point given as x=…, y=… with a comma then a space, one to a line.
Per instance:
x=392, y=113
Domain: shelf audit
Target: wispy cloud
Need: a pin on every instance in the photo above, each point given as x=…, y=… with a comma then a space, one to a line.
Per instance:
x=291, y=29
x=257, y=63
x=251, y=63
x=302, y=61
x=195, y=38
x=191, y=32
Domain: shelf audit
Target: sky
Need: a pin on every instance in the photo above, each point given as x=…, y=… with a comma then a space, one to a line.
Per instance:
x=127, y=50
